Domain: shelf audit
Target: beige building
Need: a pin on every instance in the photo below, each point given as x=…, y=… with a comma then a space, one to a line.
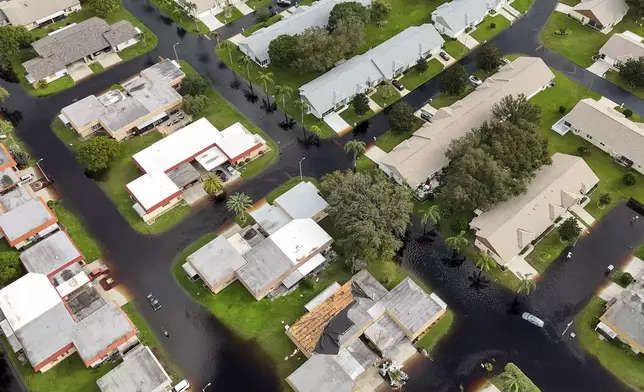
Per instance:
x=602, y=15
x=622, y=47
x=417, y=160
x=600, y=124
x=35, y=13
x=145, y=102
x=511, y=226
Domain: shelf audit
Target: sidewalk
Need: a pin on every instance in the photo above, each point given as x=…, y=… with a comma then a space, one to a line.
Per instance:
x=467, y=40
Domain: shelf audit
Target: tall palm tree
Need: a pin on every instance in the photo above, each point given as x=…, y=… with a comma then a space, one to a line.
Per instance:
x=357, y=147
x=315, y=130
x=212, y=184
x=193, y=9
x=284, y=92
x=238, y=203
x=246, y=62
x=300, y=104
x=484, y=262
x=229, y=46
x=178, y=14
x=432, y=214
x=216, y=35
x=526, y=286
x=265, y=78
x=510, y=382
x=457, y=242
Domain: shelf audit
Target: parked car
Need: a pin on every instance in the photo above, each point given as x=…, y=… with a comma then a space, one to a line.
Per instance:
x=231, y=170
x=397, y=85
x=182, y=386
x=284, y=3
x=181, y=116
x=154, y=302
x=532, y=319
x=176, y=120
x=504, y=60
x=222, y=175
x=609, y=269
x=425, y=116
x=475, y=81
x=26, y=178
x=444, y=56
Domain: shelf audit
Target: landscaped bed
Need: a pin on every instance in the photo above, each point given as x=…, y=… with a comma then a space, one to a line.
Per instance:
x=485, y=31
x=179, y=16
x=234, y=15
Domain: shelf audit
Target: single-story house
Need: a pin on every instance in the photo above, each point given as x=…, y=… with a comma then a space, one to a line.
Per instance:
x=621, y=47
x=330, y=334
x=27, y=222
x=302, y=17
x=602, y=15
x=146, y=102
x=40, y=325
x=606, y=128
x=363, y=72
x=78, y=42
x=418, y=159
x=509, y=227
x=35, y=13
x=139, y=371
x=167, y=163
x=454, y=17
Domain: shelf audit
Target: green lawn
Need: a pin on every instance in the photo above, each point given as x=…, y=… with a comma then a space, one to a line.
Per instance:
x=257, y=4
x=546, y=251
x=413, y=78
x=522, y=5
x=390, y=139
x=485, y=32
x=454, y=48
x=68, y=136
x=443, y=100
x=147, y=42
x=436, y=332
x=288, y=185
x=349, y=115
x=383, y=101
x=96, y=67
x=234, y=15
x=364, y=164
x=613, y=77
x=524, y=384
x=635, y=117
x=76, y=229
x=70, y=375
x=180, y=17
x=571, y=3
x=626, y=366
x=272, y=20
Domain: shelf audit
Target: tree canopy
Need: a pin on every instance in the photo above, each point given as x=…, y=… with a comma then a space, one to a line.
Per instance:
x=360, y=104
x=632, y=71
x=380, y=9
x=636, y=6
x=401, y=117
x=195, y=105
x=282, y=50
x=12, y=38
x=453, y=81
x=316, y=51
x=195, y=84
x=514, y=109
x=98, y=153
x=569, y=230
x=489, y=58
x=4, y=94
x=348, y=11
x=370, y=212
x=104, y=8
x=10, y=267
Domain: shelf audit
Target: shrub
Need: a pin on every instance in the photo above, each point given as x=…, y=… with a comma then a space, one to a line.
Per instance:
x=559, y=218
x=493, y=25
x=263, y=15
x=626, y=279
x=628, y=113
x=458, y=224
x=583, y=151
x=562, y=109
x=629, y=179
x=42, y=84
x=605, y=199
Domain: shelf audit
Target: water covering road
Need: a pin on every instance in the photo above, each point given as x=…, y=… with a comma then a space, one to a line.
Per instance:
x=204, y=349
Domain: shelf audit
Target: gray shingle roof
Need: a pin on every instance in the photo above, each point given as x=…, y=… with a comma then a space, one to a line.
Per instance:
x=623, y=46
x=50, y=254
x=119, y=32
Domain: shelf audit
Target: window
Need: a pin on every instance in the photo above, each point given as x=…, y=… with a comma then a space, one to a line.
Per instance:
x=589, y=137
x=602, y=143
x=566, y=123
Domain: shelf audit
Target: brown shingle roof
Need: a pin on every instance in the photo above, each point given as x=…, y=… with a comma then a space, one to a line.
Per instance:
x=307, y=331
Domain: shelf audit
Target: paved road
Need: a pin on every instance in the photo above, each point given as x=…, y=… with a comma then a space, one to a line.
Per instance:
x=202, y=348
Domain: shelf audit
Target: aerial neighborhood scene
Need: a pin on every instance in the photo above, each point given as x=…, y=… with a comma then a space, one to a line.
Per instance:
x=321, y=195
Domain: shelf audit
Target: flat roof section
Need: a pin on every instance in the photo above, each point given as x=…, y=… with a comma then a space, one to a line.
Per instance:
x=164, y=72
x=15, y=198
x=26, y=299
x=51, y=254
x=84, y=111
x=184, y=174
x=151, y=189
x=300, y=238
x=270, y=218
x=139, y=371
x=237, y=140
x=216, y=261
x=265, y=264
x=320, y=373
x=26, y=219
x=211, y=158
x=302, y=201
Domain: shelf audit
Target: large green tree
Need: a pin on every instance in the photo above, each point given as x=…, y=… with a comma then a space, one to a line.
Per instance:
x=281, y=50
x=370, y=213
x=104, y=8
x=195, y=105
x=401, y=117
x=360, y=104
x=98, y=153
x=637, y=6
x=10, y=267
x=4, y=94
x=569, y=230
x=453, y=81
x=516, y=108
x=489, y=58
x=632, y=71
x=348, y=35
x=12, y=38
x=380, y=9
x=239, y=203
x=195, y=84
x=348, y=11
x=316, y=51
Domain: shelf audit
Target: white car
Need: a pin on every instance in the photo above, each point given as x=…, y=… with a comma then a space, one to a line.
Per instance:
x=182, y=386
x=475, y=81
x=532, y=319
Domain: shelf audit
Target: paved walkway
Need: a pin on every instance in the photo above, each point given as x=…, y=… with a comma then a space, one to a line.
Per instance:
x=467, y=40
x=612, y=290
x=512, y=10
x=244, y=8
x=634, y=266
x=336, y=123
x=375, y=153
x=235, y=39
x=211, y=21
x=507, y=15
x=599, y=68
x=583, y=215
x=563, y=8
x=522, y=268
x=374, y=106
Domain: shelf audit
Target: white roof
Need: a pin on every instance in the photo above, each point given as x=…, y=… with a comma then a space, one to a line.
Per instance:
x=27, y=298
x=304, y=270
x=623, y=46
x=84, y=111
x=510, y=226
x=302, y=18
x=302, y=201
x=458, y=14
x=300, y=238
x=353, y=76
x=236, y=140
x=70, y=285
x=270, y=218
x=211, y=158
x=178, y=147
x=421, y=156
x=608, y=12
x=152, y=188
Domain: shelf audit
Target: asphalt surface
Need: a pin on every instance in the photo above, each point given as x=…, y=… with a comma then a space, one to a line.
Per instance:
x=203, y=349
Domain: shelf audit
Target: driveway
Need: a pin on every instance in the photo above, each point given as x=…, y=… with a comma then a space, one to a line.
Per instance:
x=467, y=40
x=563, y=8
x=108, y=59
x=336, y=123
x=243, y=8
x=79, y=70
x=211, y=21
x=375, y=153
x=599, y=68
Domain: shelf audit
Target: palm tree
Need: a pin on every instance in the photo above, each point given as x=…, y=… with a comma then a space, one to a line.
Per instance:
x=229, y=46
x=215, y=34
x=315, y=130
x=526, y=286
x=485, y=262
x=432, y=214
x=178, y=14
x=192, y=7
x=284, y=92
x=457, y=242
x=357, y=147
x=247, y=63
x=212, y=184
x=238, y=203
x=265, y=78
x=510, y=382
x=300, y=104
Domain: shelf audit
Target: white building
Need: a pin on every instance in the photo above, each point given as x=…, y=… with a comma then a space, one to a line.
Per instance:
x=35, y=13
x=454, y=17
x=621, y=47
x=602, y=15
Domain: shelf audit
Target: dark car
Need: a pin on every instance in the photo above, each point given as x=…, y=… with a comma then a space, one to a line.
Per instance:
x=397, y=85
x=222, y=175
x=284, y=3
x=444, y=56
x=154, y=302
